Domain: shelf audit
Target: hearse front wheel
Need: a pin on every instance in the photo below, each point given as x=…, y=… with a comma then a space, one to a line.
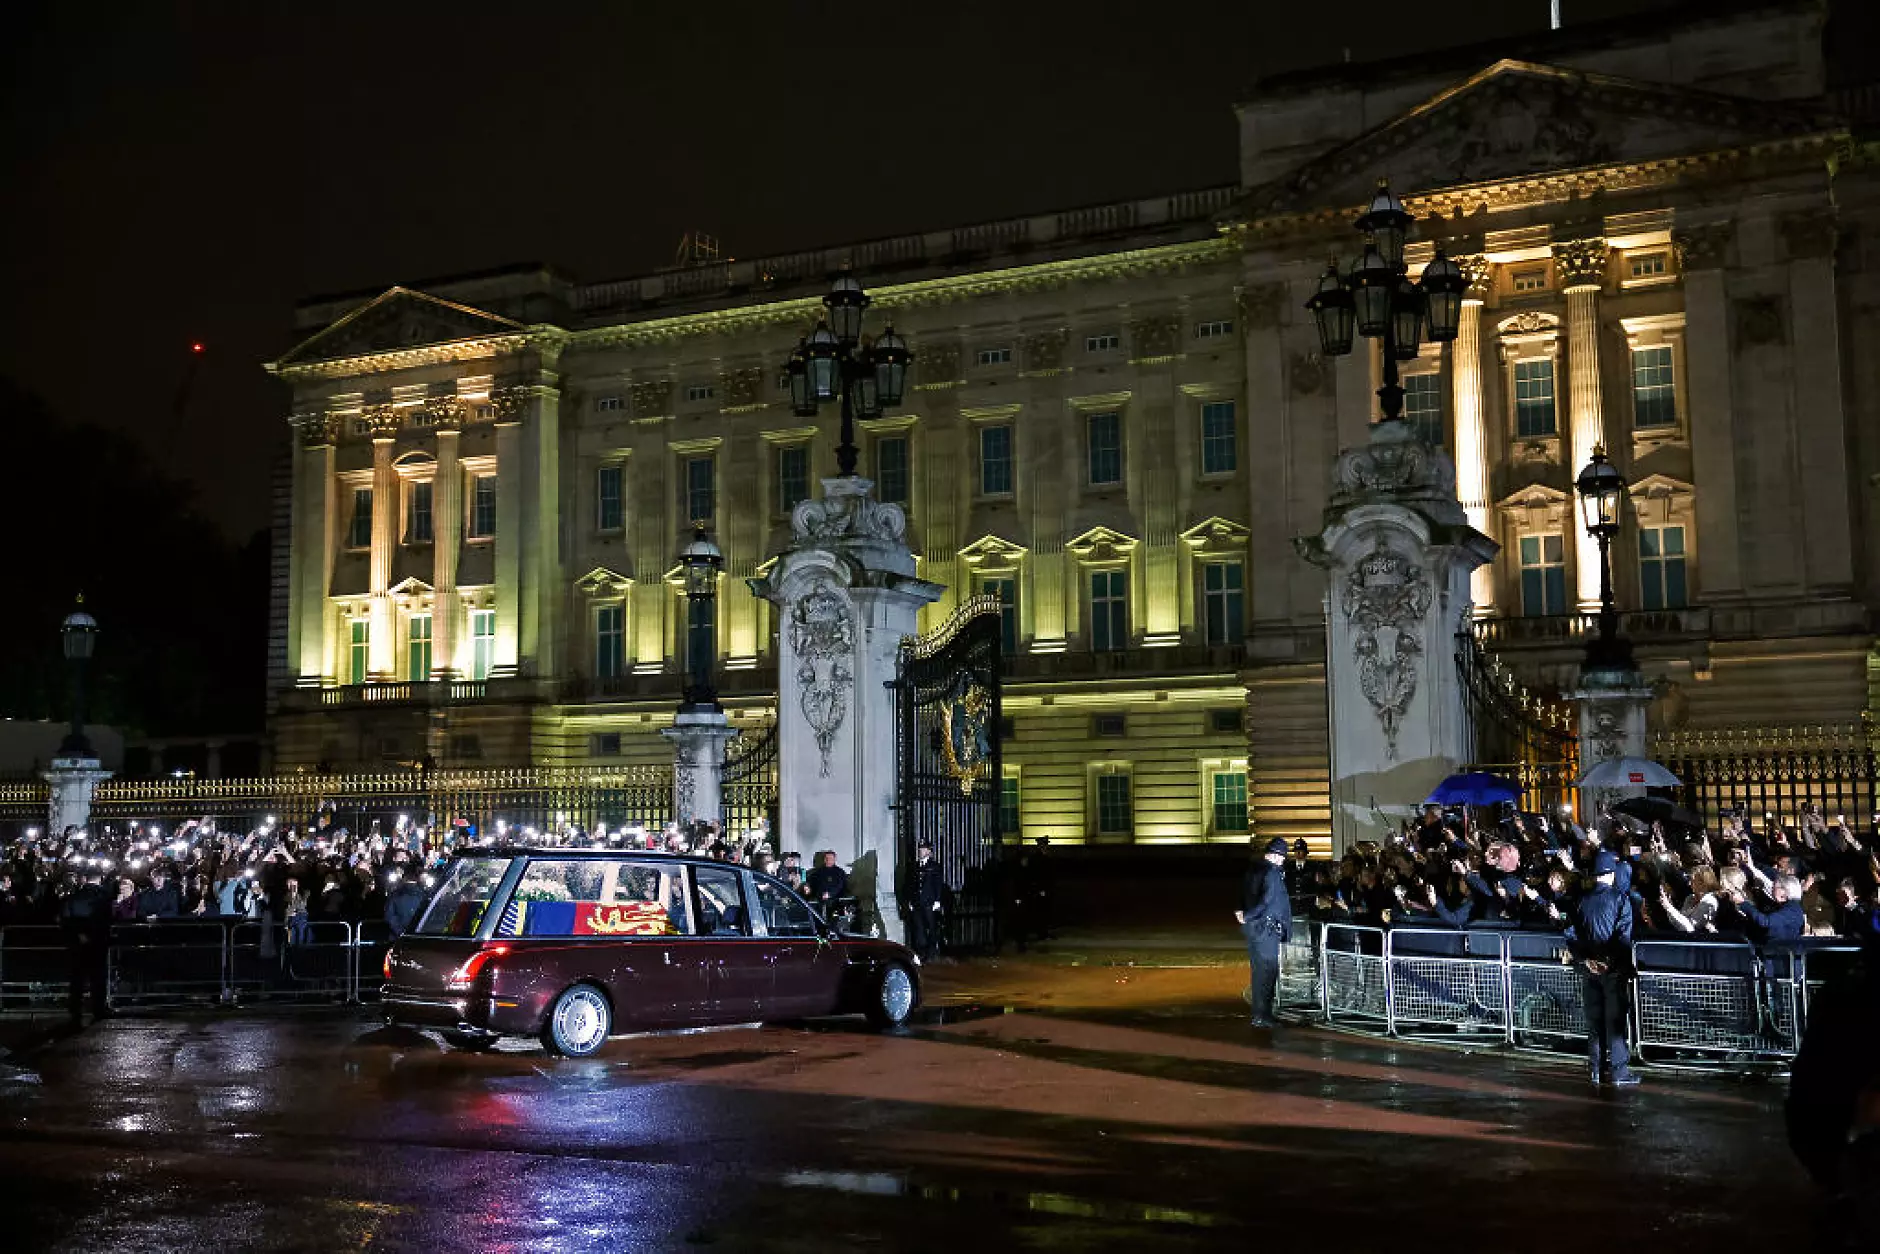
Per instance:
x=578, y=1022
x=893, y=1000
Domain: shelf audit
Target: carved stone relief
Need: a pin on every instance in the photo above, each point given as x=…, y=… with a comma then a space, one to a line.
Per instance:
x=1307, y=372
x=848, y=516
x=1261, y=305
x=1581, y=261
x=937, y=365
x=1702, y=246
x=1385, y=600
x=823, y=640
x=1151, y=338
x=742, y=388
x=652, y=398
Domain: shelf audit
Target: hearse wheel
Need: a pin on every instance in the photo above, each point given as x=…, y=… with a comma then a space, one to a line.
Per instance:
x=578, y=1022
x=893, y=1000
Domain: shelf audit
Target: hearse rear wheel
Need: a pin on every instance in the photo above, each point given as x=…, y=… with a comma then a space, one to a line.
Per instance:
x=893, y=1000
x=578, y=1022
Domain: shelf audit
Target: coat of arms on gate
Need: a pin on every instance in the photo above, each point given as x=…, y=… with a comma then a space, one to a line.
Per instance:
x=824, y=642
x=1385, y=600
x=965, y=741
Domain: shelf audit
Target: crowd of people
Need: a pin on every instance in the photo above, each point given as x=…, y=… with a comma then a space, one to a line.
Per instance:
x=1773, y=881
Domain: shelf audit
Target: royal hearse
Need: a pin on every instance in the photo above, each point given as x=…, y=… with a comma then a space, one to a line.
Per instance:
x=573, y=946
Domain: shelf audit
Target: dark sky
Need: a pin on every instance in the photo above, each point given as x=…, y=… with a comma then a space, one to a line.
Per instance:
x=189, y=171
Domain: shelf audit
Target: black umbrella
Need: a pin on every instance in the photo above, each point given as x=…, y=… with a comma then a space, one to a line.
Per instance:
x=1657, y=810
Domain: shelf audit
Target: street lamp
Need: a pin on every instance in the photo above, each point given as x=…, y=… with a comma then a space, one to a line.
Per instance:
x=1378, y=296
x=702, y=561
x=834, y=362
x=1602, y=491
x=79, y=635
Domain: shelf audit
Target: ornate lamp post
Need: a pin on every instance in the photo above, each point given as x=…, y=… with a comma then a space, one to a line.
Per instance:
x=1377, y=295
x=79, y=635
x=834, y=362
x=703, y=561
x=1602, y=492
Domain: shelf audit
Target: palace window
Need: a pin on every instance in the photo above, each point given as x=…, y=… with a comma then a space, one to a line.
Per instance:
x=995, y=356
x=1534, y=398
x=482, y=643
x=610, y=497
x=482, y=507
x=1109, y=726
x=1218, y=453
x=1104, y=343
x=1115, y=815
x=1222, y=594
x=1528, y=280
x=604, y=745
x=995, y=460
x=1652, y=265
x=359, y=533
x=610, y=641
x=1216, y=329
x=699, y=486
x=1423, y=406
x=1005, y=587
x=1543, y=575
x=891, y=468
x=1661, y=569
x=1229, y=797
x=1654, y=388
x=700, y=391
x=418, y=513
x=1105, y=440
x=609, y=404
x=792, y=476
x=418, y=648
x=1109, y=610
x=1008, y=806
x=358, y=650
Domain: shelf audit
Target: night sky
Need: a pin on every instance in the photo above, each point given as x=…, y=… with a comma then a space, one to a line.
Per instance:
x=188, y=172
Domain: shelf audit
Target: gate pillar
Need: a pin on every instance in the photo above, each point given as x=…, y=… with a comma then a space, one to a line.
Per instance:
x=1399, y=552
x=1612, y=702
x=74, y=778
x=846, y=594
x=699, y=736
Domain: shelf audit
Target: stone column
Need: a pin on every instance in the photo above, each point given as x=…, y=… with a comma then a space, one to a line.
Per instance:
x=846, y=595
x=312, y=573
x=1400, y=551
x=1711, y=398
x=508, y=539
x=446, y=542
x=74, y=780
x=382, y=650
x=1821, y=435
x=1582, y=265
x=699, y=736
x=1470, y=439
x=1612, y=705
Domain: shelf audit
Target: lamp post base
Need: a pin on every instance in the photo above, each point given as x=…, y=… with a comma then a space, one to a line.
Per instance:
x=74, y=779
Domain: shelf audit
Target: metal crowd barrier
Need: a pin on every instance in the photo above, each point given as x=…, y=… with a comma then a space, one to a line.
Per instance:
x=202, y=962
x=1695, y=1002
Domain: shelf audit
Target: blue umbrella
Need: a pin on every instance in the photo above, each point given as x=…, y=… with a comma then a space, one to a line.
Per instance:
x=1476, y=788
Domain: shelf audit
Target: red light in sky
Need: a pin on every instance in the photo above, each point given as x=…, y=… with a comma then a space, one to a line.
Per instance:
x=196, y=347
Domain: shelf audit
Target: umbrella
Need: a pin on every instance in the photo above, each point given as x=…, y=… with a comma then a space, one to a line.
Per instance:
x=1657, y=810
x=1629, y=773
x=1476, y=788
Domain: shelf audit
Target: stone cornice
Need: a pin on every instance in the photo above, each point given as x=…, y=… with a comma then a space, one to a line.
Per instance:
x=543, y=339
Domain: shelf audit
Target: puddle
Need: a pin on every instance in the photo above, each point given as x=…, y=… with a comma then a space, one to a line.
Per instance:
x=891, y=1184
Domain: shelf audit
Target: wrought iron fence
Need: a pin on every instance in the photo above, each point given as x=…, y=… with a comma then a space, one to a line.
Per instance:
x=1525, y=735
x=749, y=793
x=1776, y=771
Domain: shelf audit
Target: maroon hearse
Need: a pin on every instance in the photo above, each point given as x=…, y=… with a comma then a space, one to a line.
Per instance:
x=573, y=946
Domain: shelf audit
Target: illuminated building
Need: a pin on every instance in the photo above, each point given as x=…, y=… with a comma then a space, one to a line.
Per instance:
x=1120, y=423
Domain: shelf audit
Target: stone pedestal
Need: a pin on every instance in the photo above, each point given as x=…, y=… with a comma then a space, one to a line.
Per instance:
x=73, y=780
x=846, y=594
x=1399, y=550
x=1612, y=703
x=699, y=736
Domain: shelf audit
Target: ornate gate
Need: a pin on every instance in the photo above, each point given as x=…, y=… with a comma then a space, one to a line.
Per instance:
x=749, y=793
x=1528, y=737
x=947, y=732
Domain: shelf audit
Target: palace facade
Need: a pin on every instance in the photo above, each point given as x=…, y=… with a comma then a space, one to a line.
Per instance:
x=1119, y=423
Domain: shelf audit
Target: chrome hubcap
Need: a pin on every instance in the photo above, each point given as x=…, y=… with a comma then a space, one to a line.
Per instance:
x=581, y=1022
x=897, y=994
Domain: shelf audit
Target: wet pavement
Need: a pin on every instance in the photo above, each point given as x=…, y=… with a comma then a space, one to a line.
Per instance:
x=1034, y=1108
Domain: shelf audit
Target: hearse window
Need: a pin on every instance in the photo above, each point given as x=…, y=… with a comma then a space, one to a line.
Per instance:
x=458, y=905
x=782, y=911
x=597, y=897
x=721, y=902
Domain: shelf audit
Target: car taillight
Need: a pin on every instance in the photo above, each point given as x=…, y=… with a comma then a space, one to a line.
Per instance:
x=388, y=964
x=465, y=975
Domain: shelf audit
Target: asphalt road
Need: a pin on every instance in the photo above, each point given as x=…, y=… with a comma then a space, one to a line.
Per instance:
x=1147, y=1118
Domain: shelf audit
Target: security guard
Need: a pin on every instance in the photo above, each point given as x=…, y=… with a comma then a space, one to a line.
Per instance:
x=1265, y=917
x=1600, y=940
x=86, y=917
x=924, y=919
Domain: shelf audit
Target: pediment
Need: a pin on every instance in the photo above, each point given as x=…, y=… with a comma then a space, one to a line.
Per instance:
x=603, y=581
x=1658, y=487
x=1101, y=544
x=1215, y=534
x=412, y=587
x=992, y=550
x=399, y=319
x=1534, y=496
x=1516, y=119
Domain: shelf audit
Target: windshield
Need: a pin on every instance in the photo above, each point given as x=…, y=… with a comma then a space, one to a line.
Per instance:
x=459, y=902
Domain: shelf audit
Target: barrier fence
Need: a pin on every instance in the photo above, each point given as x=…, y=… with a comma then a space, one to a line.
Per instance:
x=228, y=962
x=1697, y=1003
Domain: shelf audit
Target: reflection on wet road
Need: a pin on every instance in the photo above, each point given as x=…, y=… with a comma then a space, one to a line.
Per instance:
x=1111, y=1129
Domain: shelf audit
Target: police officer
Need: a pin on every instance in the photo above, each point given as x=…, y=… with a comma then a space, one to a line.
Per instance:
x=403, y=902
x=86, y=918
x=1265, y=917
x=923, y=921
x=1600, y=939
